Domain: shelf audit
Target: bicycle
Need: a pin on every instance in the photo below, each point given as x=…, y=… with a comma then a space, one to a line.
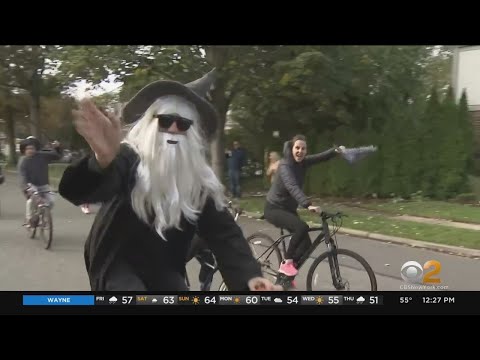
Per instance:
x=334, y=255
x=41, y=217
x=200, y=245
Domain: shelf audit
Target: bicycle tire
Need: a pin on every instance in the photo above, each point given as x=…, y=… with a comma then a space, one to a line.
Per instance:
x=46, y=215
x=269, y=243
x=33, y=229
x=345, y=252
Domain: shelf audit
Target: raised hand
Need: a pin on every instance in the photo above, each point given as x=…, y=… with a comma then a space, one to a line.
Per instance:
x=316, y=209
x=100, y=129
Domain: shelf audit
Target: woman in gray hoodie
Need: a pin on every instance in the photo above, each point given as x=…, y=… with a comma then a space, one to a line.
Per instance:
x=286, y=194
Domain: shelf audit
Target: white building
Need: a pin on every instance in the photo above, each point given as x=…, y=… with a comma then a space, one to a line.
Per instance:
x=466, y=75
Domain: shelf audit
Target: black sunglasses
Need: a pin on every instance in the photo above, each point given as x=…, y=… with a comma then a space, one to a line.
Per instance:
x=166, y=120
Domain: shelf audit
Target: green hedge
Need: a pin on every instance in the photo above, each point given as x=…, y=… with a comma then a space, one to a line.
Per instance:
x=425, y=150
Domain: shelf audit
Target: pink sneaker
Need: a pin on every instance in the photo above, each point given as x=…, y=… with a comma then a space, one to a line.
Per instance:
x=287, y=268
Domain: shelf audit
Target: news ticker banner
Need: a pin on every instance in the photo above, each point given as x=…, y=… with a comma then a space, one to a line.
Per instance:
x=210, y=300
x=383, y=302
x=290, y=299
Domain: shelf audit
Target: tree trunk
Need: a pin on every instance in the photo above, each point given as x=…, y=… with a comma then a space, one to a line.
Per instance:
x=217, y=56
x=35, y=113
x=12, y=157
x=217, y=149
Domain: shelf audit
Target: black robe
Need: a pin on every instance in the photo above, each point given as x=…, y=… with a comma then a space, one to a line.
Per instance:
x=118, y=236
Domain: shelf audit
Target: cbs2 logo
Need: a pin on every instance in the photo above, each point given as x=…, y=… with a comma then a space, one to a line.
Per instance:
x=413, y=272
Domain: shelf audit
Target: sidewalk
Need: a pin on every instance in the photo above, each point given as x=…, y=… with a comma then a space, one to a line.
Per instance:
x=418, y=219
x=442, y=222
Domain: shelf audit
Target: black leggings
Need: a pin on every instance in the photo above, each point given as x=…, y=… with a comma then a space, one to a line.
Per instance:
x=281, y=218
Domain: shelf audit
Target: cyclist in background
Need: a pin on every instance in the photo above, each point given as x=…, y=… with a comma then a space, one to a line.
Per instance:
x=2, y=177
x=286, y=194
x=274, y=160
x=33, y=170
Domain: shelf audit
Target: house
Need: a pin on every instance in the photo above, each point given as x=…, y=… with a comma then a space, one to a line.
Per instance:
x=466, y=75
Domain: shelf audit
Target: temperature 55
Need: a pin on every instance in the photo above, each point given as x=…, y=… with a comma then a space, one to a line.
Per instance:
x=405, y=299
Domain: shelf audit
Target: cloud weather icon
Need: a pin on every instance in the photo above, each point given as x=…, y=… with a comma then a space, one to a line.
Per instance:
x=277, y=300
x=360, y=300
x=112, y=300
x=154, y=300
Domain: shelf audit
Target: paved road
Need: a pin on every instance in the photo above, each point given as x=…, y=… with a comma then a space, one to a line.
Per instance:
x=27, y=266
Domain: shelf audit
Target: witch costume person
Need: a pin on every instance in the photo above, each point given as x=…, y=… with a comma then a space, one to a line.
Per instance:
x=157, y=190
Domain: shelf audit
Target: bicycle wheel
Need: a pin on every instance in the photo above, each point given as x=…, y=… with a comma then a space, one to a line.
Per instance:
x=353, y=269
x=46, y=227
x=267, y=253
x=34, y=225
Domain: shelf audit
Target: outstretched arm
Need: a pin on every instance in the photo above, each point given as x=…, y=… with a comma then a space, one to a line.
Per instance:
x=291, y=185
x=323, y=156
x=98, y=177
x=85, y=181
x=52, y=155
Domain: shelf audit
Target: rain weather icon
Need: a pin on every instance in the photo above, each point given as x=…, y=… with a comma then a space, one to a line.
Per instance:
x=112, y=300
x=360, y=300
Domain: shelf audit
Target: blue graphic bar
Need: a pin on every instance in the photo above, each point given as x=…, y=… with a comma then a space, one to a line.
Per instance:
x=68, y=300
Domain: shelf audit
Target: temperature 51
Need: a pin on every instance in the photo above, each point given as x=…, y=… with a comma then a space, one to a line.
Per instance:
x=405, y=299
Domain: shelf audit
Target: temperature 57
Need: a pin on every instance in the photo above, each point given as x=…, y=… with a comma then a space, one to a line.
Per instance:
x=127, y=300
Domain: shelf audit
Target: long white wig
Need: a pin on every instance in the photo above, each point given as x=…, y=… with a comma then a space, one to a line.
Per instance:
x=171, y=179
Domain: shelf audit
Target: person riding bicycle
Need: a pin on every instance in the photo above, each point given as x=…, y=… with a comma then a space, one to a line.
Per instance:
x=33, y=170
x=286, y=194
x=157, y=191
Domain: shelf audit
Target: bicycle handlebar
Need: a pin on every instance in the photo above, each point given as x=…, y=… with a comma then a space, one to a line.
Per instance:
x=325, y=215
x=238, y=211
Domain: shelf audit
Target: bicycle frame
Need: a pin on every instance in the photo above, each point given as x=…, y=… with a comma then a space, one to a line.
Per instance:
x=331, y=253
x=324, y=236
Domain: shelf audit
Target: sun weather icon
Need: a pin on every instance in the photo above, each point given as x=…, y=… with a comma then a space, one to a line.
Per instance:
x=196, y=300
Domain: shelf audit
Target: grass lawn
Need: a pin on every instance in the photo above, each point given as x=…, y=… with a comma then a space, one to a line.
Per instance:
x=431, y=209
x=383, y=225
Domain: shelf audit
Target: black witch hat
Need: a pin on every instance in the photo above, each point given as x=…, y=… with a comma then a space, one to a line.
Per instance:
x=195, y=92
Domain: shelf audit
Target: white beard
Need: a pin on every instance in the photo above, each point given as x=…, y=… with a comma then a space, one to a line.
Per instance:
x=173, y=179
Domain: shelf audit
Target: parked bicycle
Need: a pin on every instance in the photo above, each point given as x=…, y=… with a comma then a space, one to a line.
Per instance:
x=345, y=266
x=42, y=216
